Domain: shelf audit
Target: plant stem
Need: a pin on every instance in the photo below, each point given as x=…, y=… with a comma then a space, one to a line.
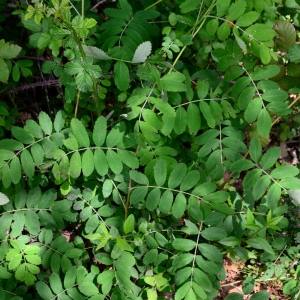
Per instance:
x=202, y=20
x=77, y=103
x=153, y=4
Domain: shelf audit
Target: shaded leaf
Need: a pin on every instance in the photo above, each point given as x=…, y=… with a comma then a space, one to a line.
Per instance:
x=121, y=73
x=285, y=35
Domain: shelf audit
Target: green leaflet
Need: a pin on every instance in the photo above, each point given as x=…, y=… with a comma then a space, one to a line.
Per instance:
x=222, y=7
x=255, y=150
x=59, y=121
x=247, y=19
x=224, y=31
x=211, y=252
x=121, y=73
x=9, y=144
x=37, y=153
x=290, y=183
x=179, y=206
x=205, y=109
x=213, y=233
x=100, y=160
x=166, y=201
x=71, y=143
x=87, y=162
x=183, y=290
x=22, y=135
x=27, y=163
x=168, y=124
x=177, y=175
x=34, y=128
x=160, y=172
x=190, y=180
x=45, y=123
x=55, y=283
x=265, y=72
x=261, y=186
x=114, y=161
x=15, y=167
x=275, y=95
x=152, y=199
x=99, y=133
x=114, y=137
x=202, y=89
x=173, y=82
x=129, y=224
x=241, y=165
x=80, y=133
x=128, y=158
x=139, y=177
x=284, y=171
x=180, y=120
x=75, y=165
x=253, y=109
x=138, y=195
x=88, y=288
x=149, y=131
x=183, y=244
x=43, y=290
x=193, y=120
x=270, y=157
